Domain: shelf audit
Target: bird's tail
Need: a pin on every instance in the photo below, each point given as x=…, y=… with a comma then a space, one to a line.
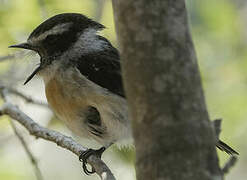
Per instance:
x=224, y=147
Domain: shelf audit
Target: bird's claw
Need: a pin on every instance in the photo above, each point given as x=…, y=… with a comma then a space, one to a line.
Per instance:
x=86, y=154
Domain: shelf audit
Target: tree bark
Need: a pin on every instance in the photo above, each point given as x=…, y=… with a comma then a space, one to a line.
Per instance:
x=171, y=128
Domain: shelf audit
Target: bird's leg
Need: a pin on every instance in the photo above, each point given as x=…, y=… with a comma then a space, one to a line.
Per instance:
x=86, y=154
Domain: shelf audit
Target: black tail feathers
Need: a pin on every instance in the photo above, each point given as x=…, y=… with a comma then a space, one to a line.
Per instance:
x=224, y=147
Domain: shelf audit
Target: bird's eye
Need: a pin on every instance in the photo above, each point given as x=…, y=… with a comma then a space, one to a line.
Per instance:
x=51, y=38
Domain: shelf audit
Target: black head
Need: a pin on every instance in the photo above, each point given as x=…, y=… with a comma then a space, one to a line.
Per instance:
x=57, y=34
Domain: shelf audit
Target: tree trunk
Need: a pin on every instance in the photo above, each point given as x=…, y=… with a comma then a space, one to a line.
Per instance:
x=173, y=136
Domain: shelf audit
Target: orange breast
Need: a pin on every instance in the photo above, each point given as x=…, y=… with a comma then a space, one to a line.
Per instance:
x=62, y=103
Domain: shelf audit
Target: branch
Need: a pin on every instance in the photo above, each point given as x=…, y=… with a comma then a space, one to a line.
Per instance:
x=5, y=97
x=61, y=140
x=29, y=153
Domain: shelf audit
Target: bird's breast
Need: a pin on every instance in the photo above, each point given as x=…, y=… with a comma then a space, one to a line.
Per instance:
x=65, y=106
x=55, y=96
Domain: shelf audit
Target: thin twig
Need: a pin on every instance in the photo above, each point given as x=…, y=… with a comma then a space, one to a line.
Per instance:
x=61, y=140
x=4, y=95
x=99, y=10
x=27, y=98
x=29, y=153
x=217, y=127
x=43, y=9
x=7, y=57
x=232, y=159
x=18, y=54
x=229, y=164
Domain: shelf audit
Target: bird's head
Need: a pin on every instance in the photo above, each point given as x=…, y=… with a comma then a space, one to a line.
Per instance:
x=58, y=35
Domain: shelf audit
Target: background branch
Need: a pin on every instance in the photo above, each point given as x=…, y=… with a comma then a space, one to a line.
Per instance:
x=43, y=9
x=18, y=54
x=229, y=164
x=7, y=57
x=99, y=9
x=27, y=98
x=28, y=151
x=232, y=159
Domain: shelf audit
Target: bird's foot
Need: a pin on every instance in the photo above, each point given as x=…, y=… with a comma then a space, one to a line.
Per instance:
x=86, y=154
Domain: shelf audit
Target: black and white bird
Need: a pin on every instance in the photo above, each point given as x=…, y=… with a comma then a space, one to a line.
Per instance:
x=82, y=76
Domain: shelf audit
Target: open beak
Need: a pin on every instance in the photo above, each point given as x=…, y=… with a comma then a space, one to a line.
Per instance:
x=29, y=47
x=32, y=75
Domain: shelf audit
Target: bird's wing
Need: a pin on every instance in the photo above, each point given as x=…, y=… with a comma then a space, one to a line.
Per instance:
x=103, y=68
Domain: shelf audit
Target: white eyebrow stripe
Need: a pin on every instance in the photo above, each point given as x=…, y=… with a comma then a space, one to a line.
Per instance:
x=58, y=29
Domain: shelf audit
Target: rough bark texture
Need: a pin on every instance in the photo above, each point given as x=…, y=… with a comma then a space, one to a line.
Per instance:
x=172, y=132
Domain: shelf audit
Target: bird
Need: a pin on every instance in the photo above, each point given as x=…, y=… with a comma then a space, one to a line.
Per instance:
x=83, y=80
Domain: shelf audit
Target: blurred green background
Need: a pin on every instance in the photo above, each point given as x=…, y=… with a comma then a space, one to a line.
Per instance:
x=220, y=37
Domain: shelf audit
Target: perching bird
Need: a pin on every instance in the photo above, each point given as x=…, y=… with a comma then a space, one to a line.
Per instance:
x=82, y=76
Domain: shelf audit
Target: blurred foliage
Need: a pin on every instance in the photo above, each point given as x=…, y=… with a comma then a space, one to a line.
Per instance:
x=219, y=34
x=218, y=30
